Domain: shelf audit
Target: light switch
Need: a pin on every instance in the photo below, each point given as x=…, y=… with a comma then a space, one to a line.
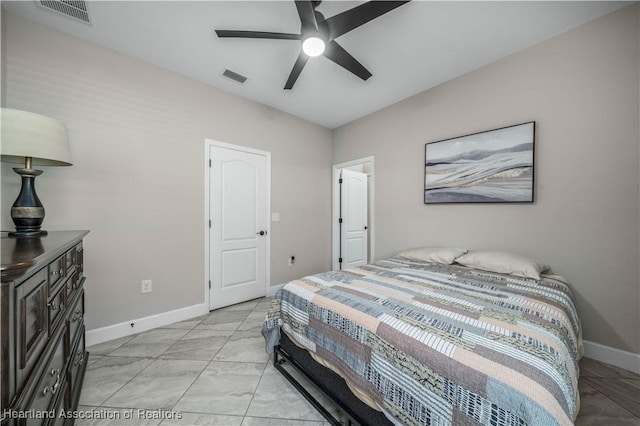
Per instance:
x=275, y=217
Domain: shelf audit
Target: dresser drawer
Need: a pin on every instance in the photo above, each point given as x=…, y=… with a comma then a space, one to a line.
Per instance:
x=72, y=258
x=31, y=320
x=78, y=360
x=73, y=285
x=59, y=420
x=79, y=260
x=76, y=319
x=52, y=383
x=57, y=272
x=56, y=308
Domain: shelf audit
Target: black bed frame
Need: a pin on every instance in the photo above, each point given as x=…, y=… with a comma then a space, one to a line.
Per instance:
x=331, y=384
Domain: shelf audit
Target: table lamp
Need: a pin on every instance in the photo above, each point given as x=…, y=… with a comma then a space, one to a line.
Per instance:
x=31, y=139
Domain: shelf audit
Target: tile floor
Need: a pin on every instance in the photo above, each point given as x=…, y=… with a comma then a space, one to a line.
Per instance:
x=213, y=370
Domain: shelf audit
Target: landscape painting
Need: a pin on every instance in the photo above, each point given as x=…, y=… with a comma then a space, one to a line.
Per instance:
x=488, y=167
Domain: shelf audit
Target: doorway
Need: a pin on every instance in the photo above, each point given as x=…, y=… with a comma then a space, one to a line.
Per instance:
x=237, y=227
x=341, y=210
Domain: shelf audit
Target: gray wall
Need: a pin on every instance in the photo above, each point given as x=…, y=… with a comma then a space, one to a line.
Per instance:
x=137, y=139
x=582, y=90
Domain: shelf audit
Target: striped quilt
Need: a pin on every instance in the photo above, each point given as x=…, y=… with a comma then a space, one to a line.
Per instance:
x=432, y=344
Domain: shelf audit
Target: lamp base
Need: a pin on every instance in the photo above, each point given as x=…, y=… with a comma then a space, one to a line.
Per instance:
x=27, y=234
x=27, y=211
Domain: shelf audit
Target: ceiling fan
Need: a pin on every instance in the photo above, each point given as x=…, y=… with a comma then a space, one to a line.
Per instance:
x=318, y=34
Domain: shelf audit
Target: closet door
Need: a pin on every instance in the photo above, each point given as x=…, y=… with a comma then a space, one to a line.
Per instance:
x=353, y=210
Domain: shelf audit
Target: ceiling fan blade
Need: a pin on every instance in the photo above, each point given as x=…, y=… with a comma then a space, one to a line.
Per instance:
x=337, y=54
x=307, y=16
x=353, y=18
x=257, y=34
x=297, y=69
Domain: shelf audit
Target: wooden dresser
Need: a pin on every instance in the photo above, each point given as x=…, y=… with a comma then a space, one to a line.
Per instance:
x=42, y=331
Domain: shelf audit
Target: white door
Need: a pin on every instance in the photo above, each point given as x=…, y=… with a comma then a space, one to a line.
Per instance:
x=353, y=211
x=238, y=234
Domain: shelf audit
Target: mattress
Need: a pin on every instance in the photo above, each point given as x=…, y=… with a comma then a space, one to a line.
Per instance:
x=433, y=344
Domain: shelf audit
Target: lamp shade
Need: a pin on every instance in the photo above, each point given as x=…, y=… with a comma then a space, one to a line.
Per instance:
x=25, y=134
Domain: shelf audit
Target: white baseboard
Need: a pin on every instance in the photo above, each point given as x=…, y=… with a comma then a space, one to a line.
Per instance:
x=103, y=334
x=623, y=359
x=271, y=291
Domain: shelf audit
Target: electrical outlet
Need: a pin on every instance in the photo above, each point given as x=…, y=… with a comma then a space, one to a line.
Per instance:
x=292, y=259
x=145, y=286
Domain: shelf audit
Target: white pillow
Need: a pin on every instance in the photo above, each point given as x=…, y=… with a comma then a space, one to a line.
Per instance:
x=444, y=255
x=504, y=263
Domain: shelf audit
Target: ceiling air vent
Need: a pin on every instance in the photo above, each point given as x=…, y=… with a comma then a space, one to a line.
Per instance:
x=76, y=9
x=238, y=78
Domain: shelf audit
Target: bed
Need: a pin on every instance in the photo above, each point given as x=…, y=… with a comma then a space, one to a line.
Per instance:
x=434, y=336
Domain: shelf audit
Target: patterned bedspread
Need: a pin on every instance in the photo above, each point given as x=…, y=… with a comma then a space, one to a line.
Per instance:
x=438, y=344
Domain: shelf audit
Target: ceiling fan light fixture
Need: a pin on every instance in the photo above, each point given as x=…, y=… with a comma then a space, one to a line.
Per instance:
x=313, y=46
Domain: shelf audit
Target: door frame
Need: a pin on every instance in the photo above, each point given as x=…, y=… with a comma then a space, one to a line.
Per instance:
x=208, y=144
x=335, y=226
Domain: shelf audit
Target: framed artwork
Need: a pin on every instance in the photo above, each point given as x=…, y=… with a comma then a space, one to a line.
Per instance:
x=495, y=166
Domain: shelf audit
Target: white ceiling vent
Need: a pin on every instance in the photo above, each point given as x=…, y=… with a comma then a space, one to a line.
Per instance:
x=238, y=78
x=76, y=9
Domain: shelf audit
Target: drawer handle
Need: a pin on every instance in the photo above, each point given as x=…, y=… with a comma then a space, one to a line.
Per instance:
x=81, y=359
x=77, y=315
x=57, y=272
x=53, y=389
x=53, y=306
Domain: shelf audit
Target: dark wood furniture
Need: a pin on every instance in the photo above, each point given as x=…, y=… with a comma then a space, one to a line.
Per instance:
x=329, y=383
x=42, y=331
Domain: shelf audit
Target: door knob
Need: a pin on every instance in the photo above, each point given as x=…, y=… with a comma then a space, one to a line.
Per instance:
x=261, y=233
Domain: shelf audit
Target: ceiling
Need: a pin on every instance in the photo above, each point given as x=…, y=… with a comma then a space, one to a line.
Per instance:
x=409, y=50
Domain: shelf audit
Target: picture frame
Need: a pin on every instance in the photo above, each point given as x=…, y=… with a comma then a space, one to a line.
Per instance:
x=494, y=166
